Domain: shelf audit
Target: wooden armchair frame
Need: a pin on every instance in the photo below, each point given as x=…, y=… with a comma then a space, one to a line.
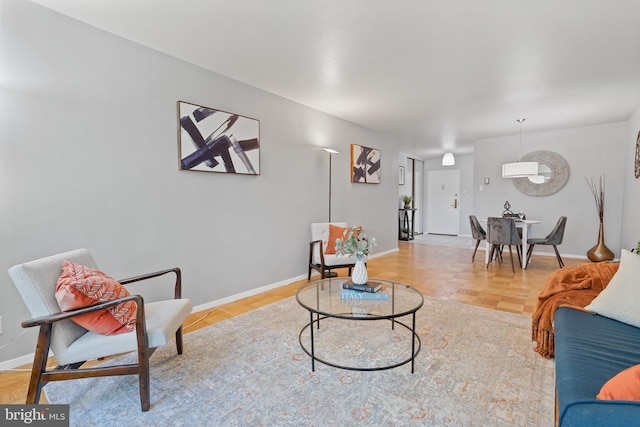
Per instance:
x=322, y=268
x=39, y=374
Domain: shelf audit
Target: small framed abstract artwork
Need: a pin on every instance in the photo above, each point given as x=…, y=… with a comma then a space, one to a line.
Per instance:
x=365, y=165
x=211, y=140
x=401, y=175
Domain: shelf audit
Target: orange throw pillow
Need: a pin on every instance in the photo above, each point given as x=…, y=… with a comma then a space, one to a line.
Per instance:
x=80, y=286
x=624, y=386
x=335, y=232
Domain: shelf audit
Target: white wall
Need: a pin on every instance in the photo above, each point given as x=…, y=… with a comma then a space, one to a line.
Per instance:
x=590, y=151
x=630, y=225
x=89, y=158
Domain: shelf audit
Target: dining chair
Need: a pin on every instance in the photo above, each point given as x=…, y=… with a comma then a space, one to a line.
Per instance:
x=513, y=215
x=503, y=232
x=516, y=217
x=477, y=232
x=554, y=238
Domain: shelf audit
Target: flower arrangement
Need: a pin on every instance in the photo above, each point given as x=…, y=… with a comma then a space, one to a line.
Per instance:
x=354, y=242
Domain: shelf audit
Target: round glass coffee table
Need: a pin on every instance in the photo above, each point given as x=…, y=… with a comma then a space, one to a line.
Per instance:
x=324, y=299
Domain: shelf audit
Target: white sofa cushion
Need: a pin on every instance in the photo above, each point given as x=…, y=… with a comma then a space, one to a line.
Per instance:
x=620, y=300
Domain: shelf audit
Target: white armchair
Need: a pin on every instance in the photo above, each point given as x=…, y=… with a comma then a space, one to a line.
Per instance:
x=321, y=261
x=72, y=344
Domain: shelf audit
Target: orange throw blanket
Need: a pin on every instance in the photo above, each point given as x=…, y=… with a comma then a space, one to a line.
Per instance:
x=567, y=287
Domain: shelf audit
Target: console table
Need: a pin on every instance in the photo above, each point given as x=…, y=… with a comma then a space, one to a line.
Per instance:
x=406, y=218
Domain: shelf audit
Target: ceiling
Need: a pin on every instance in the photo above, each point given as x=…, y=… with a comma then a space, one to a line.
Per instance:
x=435, y=74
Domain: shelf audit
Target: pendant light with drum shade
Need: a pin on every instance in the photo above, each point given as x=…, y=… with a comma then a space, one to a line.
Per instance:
x=520, y=169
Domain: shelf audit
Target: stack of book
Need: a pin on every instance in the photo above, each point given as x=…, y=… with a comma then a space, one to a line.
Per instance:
x=370, y=290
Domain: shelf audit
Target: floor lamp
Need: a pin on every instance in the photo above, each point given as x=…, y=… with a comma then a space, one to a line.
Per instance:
x=331, y=153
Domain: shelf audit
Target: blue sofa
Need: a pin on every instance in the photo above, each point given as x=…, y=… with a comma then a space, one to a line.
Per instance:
x=589, y=350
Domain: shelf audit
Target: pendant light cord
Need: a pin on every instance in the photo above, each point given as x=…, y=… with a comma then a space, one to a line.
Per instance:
x=520, y=150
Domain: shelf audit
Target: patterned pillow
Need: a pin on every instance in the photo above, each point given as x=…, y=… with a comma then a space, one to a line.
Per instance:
x=80, y=286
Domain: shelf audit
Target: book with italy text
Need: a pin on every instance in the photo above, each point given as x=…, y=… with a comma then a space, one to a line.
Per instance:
x=367, y=287
x=363, y=302
x=348, y=294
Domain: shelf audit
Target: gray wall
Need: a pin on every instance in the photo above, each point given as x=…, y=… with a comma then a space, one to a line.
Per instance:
x=89, y=158
x=630, y=226
x=590, y=151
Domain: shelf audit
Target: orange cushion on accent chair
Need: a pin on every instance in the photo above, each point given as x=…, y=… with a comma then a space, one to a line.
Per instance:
x=335, y=232
x=80, y=286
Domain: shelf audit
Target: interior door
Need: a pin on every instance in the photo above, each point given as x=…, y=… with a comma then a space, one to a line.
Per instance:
x=418, y=200
x=443, y=201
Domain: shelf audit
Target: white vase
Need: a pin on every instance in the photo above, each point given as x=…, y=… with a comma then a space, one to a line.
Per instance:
x=359, y=275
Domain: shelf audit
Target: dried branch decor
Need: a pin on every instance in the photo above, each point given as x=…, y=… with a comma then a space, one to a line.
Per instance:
x=598, y=195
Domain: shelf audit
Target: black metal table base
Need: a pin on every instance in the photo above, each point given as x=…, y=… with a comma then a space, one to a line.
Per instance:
x=415, y=349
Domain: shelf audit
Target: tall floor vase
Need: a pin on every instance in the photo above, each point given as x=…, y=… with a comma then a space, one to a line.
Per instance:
x=359, y=275
x=600, y=252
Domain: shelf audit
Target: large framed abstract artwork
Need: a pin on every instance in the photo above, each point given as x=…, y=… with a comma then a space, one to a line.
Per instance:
x=211, y=140
x=365, y=165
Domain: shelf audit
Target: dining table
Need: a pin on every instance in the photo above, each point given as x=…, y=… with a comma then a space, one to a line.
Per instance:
x=525, y=225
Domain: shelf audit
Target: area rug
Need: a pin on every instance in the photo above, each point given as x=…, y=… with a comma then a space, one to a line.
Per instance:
x=476, y=367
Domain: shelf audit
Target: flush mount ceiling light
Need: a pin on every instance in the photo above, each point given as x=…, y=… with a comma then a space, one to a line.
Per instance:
x=448, y=159
x=520, y=169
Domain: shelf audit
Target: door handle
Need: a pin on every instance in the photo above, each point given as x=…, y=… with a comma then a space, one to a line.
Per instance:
x=455, y=204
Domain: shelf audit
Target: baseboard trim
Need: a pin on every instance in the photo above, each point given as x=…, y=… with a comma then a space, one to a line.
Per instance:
x=28, y=358
x=256, y=291
x=18, y=361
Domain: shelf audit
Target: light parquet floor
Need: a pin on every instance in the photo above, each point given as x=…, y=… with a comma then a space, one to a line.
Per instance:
x=439, y=272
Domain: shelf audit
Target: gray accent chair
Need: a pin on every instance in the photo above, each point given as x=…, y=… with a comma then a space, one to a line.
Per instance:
x=554, y=239
x=72, y=345
x=477, y=232
x=503, y=232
